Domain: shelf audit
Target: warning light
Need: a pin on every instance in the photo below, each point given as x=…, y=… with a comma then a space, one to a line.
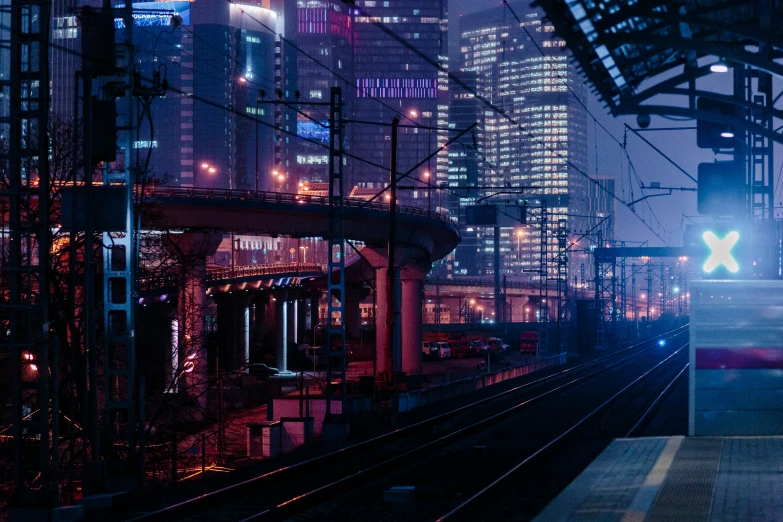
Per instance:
x=720, y=251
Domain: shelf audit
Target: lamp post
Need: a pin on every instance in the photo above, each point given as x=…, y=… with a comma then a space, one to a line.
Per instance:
x=212, y=169
x=258, y=99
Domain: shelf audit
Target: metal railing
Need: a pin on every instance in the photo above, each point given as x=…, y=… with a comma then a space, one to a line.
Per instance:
x=217, y=273
x=282, y=197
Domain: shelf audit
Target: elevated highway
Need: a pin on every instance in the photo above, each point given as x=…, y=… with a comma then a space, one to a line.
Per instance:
x=431, y=235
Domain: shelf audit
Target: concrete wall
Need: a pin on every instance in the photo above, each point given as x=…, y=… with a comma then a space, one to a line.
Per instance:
x=424, y=396
x=736, y=358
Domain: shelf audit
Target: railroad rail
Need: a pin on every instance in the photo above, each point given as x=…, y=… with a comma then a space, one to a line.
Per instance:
x=270, y=496
x=466, y=509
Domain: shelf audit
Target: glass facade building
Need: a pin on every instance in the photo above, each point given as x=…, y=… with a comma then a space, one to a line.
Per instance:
x=541, y=152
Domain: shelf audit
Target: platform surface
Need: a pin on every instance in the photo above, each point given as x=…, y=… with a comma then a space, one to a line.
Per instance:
x=674, y=479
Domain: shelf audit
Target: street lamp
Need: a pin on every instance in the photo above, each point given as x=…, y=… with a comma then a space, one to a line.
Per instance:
x=212, y=169
x=520, y=233
x=305, y=253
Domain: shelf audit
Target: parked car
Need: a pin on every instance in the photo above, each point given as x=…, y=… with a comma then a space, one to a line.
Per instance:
x=429, y=349
x=476, y=347
x=444, y=350
x=496, y=344
x=262, y=370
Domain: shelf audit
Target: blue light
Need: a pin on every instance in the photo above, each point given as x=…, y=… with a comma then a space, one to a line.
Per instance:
x=720, y=251
x=661, y=342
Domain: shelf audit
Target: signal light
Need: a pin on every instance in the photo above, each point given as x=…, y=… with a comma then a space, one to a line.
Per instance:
x=720, y=251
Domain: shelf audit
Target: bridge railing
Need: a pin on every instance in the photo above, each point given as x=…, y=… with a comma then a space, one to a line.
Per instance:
x=283, y=197
x=484, y=282
x=216, y=273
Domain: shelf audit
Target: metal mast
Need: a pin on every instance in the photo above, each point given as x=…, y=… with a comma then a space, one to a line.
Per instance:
x=335, y=285
x=120, y=420
x=24, y=303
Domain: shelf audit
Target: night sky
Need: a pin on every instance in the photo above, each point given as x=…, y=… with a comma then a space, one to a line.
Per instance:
x=665, y=215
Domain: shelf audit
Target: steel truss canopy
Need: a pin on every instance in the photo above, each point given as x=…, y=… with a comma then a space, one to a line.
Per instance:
x=634, y=50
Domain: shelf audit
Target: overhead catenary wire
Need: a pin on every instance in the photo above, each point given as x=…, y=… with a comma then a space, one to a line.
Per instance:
x=433, y=63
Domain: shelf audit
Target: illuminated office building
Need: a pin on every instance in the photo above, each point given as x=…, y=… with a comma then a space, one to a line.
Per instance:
x=324, y=34
x=388, y=72
x=542, y=151
x=219, y=64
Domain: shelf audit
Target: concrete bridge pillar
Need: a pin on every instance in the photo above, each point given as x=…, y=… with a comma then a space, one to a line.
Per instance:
x=280, y=297
x=260, y=302
x=191, y=250
x=293, y=315
x=355, y=293
x=313, y=309
x=301, y=318
x=233, y=325
x=411, y=318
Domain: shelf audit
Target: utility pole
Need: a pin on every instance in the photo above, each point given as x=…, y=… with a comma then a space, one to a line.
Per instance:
x=562, y=283
x=623, y=288
x=633, y=292
x=599, y=307
x=649, y=290
x=614, y=299
x=543, y=291
x=31, y=355
x=336, y=266
x=335, y=282
x=663, y=290
x=392, y=312
x=498, y=310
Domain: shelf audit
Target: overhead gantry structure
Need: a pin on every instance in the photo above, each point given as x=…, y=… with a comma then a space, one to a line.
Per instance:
x=632, y=51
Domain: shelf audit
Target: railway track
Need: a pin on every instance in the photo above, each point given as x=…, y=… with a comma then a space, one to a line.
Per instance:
x=498, y=501
x=299, y=489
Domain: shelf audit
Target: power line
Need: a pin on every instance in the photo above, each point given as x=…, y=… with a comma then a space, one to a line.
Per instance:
x=565, y=80
x=413, y=49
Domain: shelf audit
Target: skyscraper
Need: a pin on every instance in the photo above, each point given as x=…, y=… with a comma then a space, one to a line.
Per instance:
x=388, y=72
x=523, y=70
x=221, y=64
x=324, y=37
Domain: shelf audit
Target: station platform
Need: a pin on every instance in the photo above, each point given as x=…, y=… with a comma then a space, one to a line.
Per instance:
x=677, y=479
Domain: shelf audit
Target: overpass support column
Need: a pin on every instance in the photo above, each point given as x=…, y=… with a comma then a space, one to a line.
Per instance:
x=233, y=324
x=382, y=322
x=313, y=311
x=411, y=319
x=354, y=295
x=301, y=319
x=260, y=302
x=191, y=250
x=293, y=315
x=281, y=328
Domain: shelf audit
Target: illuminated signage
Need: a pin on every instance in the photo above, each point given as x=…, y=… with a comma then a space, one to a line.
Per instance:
x=155, y=14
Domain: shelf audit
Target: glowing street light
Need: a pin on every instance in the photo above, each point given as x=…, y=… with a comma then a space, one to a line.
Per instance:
x=413, y=113
x=205, y=165
x=719, y=67
x=727, y=133
x=212, y=170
